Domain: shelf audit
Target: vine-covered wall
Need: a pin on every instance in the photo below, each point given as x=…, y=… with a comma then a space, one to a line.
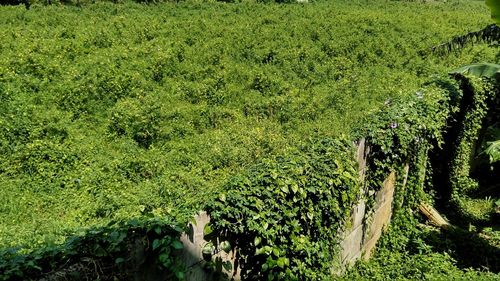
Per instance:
x=479, y=108
x=288, y=215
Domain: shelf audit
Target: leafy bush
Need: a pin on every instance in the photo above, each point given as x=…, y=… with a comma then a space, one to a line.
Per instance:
x=139, y=119
x=118, y=249
x=284, y=214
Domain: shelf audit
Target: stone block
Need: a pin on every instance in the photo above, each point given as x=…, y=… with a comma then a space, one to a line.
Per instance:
x=361, y=156
x=387, y=191
x=381, y=219
x=358, y=214
x=351, y=246
x=370, y=245
x=193, y=243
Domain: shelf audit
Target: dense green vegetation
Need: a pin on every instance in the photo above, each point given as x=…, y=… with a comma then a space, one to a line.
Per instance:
x=308, y=197
x=284, y=214
x=413, y=248
x=139, y=247
x=117, y=111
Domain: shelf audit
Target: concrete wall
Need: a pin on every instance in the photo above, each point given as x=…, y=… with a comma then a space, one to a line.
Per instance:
x=366, y=228
x=367, y=224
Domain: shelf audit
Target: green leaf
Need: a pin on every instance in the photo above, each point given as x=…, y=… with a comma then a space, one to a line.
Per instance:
x=494, y=6
x=208, y=248
x=493, y=151
x=265, y=267
x=260, y=251
x=158, y=230
x=165, y=259
x=282, y=262
x=180, y=275
x=119, y=260
x=207, y=230
x=177, y=245
x=228, y=266
x=222, y=197
x=156, y=243
x=276, y=252
x=264, y=250
x=192, y=220
x=488, y=70
x=257, y=241
x=225, y=246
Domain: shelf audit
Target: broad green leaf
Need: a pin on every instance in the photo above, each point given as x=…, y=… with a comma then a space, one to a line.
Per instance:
x=494, y=6
x=265, y=267
x=207, y=230
x=177, y=245
x=158, y=230
x=257, y=241
x=225, y=246
x=488, y=70
x=493, y=151
x=276, y=252
x=156, y=243
x=227, y=265
x=282, y=262
x=208, y=248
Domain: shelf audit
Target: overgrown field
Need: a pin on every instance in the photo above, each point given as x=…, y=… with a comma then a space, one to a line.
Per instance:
x=115, y=111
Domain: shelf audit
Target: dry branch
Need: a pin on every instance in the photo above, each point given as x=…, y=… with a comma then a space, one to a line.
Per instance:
x=433, y=215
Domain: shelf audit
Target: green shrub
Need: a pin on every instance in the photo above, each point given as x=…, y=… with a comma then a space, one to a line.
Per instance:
x=114, y=249
x=284, y=214
x=138, y=119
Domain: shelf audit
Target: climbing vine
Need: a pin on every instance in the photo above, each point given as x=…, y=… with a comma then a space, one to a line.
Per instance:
x=405, y=130
x=117, y=250
x=478, y=97
x=284, y=214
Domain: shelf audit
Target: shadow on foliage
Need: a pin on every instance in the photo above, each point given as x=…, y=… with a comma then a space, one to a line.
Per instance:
x=440, y=157
x=15, y=2
x=469, y=249
x=133, y=250
x=480, y=172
